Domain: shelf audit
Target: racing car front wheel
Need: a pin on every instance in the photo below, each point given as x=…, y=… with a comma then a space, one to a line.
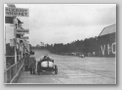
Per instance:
x=56, y=69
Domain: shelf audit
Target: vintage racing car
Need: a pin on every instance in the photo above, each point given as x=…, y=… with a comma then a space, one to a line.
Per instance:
x=82, y=56
x=46, y=65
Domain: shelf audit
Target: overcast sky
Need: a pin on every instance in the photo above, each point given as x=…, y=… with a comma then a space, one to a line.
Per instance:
x=64, y=23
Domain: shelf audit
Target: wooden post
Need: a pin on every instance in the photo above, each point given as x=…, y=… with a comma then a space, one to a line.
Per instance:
x=15, y=52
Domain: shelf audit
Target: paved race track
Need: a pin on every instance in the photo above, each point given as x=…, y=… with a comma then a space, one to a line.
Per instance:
x=74, y=70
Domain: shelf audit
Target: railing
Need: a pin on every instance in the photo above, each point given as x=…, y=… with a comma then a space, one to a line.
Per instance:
x=11, y=73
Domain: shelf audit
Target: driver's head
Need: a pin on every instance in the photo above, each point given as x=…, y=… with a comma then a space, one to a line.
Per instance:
x=45, y=57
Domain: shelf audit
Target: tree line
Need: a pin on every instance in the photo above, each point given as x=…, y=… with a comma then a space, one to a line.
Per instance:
x=88, y=46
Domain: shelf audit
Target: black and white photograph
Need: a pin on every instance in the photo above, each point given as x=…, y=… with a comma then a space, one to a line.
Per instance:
x=60, y=44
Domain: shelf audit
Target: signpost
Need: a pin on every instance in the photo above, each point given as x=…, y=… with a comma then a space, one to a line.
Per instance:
x=11, y=12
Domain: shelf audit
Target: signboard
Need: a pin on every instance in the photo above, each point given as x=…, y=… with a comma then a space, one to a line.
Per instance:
x=24, y=37
x=22, y=31
x=9, y=20
x=12, y=12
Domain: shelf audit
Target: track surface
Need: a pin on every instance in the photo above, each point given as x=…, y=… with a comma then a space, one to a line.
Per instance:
x=74, y=70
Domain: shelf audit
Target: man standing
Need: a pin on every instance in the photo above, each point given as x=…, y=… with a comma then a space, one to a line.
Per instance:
x=32, y=65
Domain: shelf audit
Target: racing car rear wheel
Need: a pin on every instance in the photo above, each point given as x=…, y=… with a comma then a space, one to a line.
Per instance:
x=38, y=69
x=56, y=69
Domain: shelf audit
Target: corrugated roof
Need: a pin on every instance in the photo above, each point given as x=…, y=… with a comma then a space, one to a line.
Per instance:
x=108, y=30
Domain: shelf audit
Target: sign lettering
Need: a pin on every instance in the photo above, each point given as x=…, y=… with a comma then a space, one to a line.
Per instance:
x=103, y=50
x=11, y=11
x=108, y=49
x=114, y=48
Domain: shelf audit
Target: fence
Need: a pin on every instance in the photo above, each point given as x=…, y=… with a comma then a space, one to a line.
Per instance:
x=11, y=73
